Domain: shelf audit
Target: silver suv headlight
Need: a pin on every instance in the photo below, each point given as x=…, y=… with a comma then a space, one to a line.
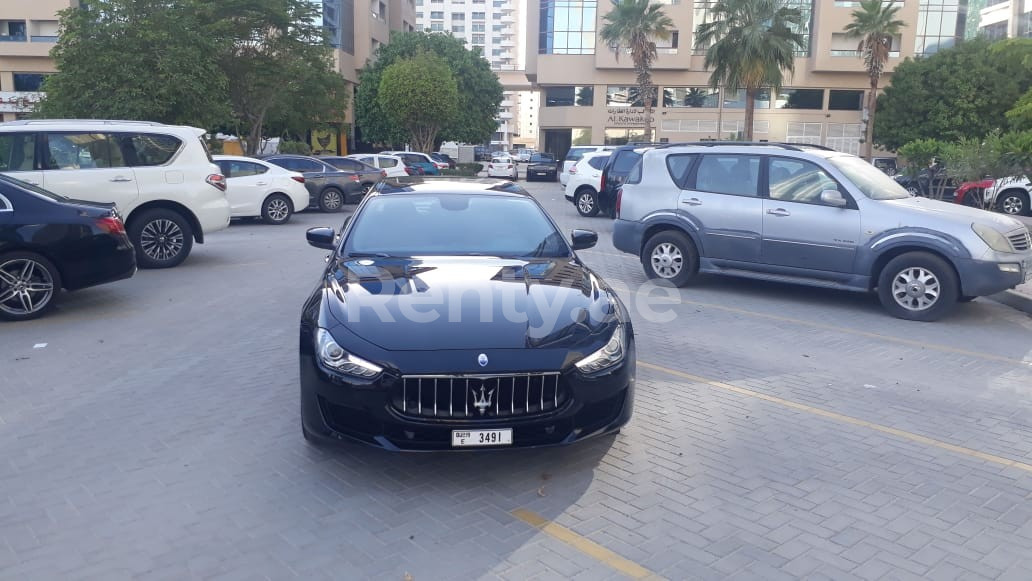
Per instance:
x=610, y=355
x=335, y=357
x=992, y=238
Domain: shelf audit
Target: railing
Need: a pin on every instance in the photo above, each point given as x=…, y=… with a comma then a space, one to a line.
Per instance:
x=13, y=38
x=43, y=38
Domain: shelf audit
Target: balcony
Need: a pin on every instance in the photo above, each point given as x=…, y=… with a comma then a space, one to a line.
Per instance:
x=43, y=38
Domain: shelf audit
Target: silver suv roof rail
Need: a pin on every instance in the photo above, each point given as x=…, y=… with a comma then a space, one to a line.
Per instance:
x=787, y=146
x=94, y=121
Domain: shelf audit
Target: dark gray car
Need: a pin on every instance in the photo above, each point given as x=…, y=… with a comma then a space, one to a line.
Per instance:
x=814, y=216
x=329, y=188
x=367, y=173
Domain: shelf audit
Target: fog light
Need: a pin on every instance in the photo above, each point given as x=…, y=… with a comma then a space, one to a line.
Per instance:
x=1009, y=267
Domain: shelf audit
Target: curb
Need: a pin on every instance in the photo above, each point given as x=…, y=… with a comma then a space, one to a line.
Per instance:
x=1016, y=300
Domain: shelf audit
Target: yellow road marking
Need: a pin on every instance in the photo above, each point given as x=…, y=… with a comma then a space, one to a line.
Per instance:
x=845, y=419
x=589, y=548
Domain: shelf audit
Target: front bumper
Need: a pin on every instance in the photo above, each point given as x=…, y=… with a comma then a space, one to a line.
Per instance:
x=335, y=411
x=981, y=277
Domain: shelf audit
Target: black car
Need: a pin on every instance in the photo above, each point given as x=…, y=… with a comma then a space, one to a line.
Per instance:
x=456, y=315
x=614, y=174
x=928, y=182
x=49, y=242
x=367, y=174
x=542, y=166
x=329, y=188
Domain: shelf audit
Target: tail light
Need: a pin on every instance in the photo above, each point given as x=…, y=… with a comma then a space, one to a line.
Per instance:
x=619, y=200
x=298, y=179
x=410, y=171
x=383, y=173
x=217, y=180
x=573, y=170
x=508, y=166
x=111, y=225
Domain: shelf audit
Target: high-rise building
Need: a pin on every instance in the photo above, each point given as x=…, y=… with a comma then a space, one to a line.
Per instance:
x=28, y=30
x=588, y=94
x=1005, y=19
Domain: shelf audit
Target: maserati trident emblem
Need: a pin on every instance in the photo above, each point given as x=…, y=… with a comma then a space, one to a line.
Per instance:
x=482, y=359
x=482, y=401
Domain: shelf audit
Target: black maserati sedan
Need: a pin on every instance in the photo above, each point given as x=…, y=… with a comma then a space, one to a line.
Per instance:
x=455, y=315
x=49, y=242
x=542, y=166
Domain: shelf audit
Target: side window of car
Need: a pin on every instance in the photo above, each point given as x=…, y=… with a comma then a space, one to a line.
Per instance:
x=738, y=175
x=679, y=166
x=150, y=149
x=624, y=161
x=796, y=180
x=285, y=163
x=225, y=167
x=599, y=161
x=83, y=151
x=17, y=151
x=241, y=169
x=385, y=162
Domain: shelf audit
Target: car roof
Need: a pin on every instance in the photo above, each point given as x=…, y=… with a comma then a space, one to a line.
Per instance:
x=421, y=185
x=107, y=124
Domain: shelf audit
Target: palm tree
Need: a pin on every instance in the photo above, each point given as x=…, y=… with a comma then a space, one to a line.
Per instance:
x=748, y=45
x=638, y=24
x=876, y=24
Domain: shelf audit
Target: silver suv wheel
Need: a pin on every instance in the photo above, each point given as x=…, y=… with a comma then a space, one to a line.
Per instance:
x=915, y=289
x=667, y=260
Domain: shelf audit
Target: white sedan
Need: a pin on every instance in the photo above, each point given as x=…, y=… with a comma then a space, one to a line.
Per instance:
x=392, y=164
x=258, y=188
x=502, y=167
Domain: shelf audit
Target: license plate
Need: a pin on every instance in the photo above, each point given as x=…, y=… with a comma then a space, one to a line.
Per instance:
x=463, y=438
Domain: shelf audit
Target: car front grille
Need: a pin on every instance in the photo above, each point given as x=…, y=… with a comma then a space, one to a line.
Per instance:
x=479, y=397
x=1021, y=241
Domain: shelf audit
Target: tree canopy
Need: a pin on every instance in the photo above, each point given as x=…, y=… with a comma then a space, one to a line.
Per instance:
x=479, y=91
x=421, y=95
x=964, y=91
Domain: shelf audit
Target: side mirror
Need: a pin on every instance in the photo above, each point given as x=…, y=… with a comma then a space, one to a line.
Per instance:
x=321, y=238
x=582, y=239
x=833, y=198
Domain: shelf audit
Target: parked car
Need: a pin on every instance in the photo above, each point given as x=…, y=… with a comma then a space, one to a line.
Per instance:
x=972, y=193
x=585, y=181
x=262, y=189
x=618, y=166
x=810, y=215
x=927, y=183
x=886, y=164
x=523, y=155
x=542, y=165
x=1010, y=196
x=573, y=155
x=329, y=188
x=368, y=173
x=49, y=242
x=390, y=165
x=458, y=381
x=161, y=178
x=417, y=159
x=503, y=167
x=442, y=161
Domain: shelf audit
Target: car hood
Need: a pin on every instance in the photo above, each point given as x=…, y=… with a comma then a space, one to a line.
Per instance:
x=469, y=302
x=954, y=213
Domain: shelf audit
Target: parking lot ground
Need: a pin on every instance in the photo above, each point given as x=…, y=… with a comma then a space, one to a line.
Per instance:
x=149, y=429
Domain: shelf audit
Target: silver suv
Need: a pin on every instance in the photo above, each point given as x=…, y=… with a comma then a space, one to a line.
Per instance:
x=810, y=215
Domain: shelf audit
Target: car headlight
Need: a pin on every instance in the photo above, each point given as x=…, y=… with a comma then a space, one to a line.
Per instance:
x=993, y=238
x=335, y=357
x=611, y=354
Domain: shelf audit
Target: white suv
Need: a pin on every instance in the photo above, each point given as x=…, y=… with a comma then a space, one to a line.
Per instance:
x=585, y=181
x=161, y=178
x=1010, y=196
x=573, y=155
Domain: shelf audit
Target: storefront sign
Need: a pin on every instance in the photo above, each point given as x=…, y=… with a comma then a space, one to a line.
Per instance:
x=627, y=117
x=19, y=102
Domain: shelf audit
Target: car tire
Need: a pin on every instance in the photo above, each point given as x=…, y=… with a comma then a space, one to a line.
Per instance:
x=163, y=238
x=586, y=202
x=277, y=209
x=331, y=200
x=42, y=282
x=1013, y=203
x=671, y=256
x=918, y=286
x=914, y=191
x=973, y=199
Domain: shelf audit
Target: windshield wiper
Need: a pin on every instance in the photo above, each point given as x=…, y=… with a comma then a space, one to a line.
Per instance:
x=367, y=255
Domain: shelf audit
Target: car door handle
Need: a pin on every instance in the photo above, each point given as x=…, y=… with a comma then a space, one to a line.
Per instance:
x=33, y=182
x=779, y=212
x=692, y=202
x=261, y=183
x=120, y=179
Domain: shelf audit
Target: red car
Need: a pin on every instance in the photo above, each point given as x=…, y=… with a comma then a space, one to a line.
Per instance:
x=972, y=193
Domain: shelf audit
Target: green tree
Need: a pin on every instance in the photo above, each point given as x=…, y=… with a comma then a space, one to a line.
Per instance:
x=876, y=25
x=636, y=25
x=749, y=44
x=421, y=95
x=125, y=59
x=964, y=91
x=1020, y=116
x=480, y=92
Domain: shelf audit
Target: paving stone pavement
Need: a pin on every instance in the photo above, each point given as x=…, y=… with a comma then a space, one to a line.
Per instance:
x=156, y=436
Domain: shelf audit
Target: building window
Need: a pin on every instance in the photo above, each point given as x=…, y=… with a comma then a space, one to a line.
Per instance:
x=994, y=31
x=614, y=136
x=939, y=24
x=437, y=15
x=703, y=10
x=737, y=100
x=692, y=97
x=846, y=100
x=844, y=137
x=478, y=16
x=347, y=31
x=478, y=39
x=478, y=27
x=437, y=26
x=459, y=28
x=28, y=81
x=569, y=96
x=798, y=132
x=800, y=99
x=567, y=27
x=12, y=30
x=458, y=16
x=626, y=96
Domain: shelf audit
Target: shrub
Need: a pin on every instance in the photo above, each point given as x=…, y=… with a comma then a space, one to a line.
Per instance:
x=297, y=147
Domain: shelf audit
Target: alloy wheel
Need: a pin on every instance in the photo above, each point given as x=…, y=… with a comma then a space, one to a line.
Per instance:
x=667, y=260
x=586, y=203
x=332, y=200
x=278, y=209
x=1012, y=205
x=161, y=239
x=26, y=286
x=915, y=288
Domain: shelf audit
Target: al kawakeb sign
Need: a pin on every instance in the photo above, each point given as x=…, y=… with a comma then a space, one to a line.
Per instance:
x=18, y=102
x=626, y=117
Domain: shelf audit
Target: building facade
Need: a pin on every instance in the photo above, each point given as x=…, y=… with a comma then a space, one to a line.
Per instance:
x=1005, y=19
x=28, y=30
x=588, y=97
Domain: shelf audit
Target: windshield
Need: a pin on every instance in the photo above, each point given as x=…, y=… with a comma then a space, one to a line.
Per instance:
x=453, y=224
x=868, y=179
x=542, y=158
